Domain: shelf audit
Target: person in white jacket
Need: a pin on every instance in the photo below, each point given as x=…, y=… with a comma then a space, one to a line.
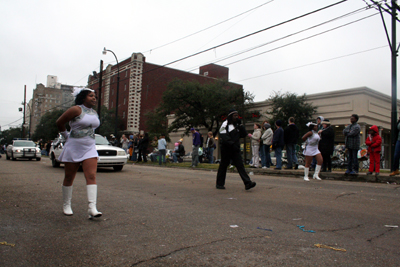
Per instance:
x=267, y=141
x=255, y=145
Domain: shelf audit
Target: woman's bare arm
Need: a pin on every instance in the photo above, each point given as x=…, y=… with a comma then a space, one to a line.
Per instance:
x=308, y=134
x=67, y=116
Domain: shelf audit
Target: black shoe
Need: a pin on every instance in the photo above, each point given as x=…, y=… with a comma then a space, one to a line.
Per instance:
x=220, y=187
x=329, y=170
x=287, y=168
x=250, y=185
x=323, y=170
x=296, y=167
x=369, y=173
x=277, y=168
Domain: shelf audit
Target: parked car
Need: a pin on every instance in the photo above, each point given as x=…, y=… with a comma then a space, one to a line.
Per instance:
x=23, y=148
x=109, y=156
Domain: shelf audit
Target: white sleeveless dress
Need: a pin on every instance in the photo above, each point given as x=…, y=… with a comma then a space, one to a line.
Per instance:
x=81, y=143
x=312, y=145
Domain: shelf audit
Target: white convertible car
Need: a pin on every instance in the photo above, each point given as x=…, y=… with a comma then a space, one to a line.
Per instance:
x=23, y=148
x=109, y=156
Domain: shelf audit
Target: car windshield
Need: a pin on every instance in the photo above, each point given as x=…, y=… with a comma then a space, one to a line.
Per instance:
x=24, y=144
x=100, y=140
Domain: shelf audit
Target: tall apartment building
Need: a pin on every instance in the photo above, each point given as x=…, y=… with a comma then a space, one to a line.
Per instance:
x=142, y=85
x=47, y=98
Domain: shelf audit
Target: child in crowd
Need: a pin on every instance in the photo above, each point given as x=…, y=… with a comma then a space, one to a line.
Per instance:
x=162, y=146
x=374, y=143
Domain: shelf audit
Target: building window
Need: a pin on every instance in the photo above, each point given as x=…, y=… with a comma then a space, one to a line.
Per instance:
x=112, y=104
x=112, y=92
x=125, y=88
x=126, y=73
x=124, y=100
x=123, y=115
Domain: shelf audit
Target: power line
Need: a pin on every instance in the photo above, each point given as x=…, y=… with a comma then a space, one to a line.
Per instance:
x=309, y=37
x=240, y=38
x=209, y=27
x=41, y=112
x=192, y=33
x=248, y=35
x=282, y=38
x=314, y=63
x=12, y=122
x=279, y=39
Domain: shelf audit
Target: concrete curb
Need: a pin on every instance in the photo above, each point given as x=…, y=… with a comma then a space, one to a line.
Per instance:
x=335, y=175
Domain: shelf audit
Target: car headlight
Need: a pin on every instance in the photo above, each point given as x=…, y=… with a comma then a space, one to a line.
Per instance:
x=17, y=150
x=121, y=153
x=37, y=150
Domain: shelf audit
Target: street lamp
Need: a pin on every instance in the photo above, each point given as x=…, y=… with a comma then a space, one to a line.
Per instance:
x=116, y=104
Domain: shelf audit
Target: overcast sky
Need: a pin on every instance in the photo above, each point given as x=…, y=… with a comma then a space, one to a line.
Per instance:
x=66, y=39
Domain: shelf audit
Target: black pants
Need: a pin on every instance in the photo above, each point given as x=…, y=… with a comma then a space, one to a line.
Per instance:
x=226, y=156
x=143, y=153
x=326, y=156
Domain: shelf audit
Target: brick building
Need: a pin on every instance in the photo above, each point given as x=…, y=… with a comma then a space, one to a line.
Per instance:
x=141, y=87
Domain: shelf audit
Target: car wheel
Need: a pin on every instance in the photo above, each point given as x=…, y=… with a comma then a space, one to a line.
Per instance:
x=7, y=157
x=30, y=158
x=54, y=162
x=118, y=167
x=38, y=159
x=12, y=157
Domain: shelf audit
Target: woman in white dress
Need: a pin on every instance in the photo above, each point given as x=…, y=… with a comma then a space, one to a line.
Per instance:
x=80, y=147
x=311, y=150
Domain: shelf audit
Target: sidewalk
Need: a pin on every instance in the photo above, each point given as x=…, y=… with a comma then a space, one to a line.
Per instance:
x=334, y=175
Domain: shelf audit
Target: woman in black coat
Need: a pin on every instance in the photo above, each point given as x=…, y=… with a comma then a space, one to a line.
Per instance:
x=326, y=144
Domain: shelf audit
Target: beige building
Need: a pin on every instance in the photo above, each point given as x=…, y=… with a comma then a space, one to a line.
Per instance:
x=46, y=99
x=372, y=107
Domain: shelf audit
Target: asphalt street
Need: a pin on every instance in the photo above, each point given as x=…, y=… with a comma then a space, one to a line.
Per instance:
x=159, y=216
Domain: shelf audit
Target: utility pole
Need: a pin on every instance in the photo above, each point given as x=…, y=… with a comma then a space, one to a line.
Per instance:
x=392, y=11
x=23, y=121
x=394, y=78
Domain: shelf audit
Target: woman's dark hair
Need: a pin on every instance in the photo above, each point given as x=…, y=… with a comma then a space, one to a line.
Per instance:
x=80, y=98
x=311, y=127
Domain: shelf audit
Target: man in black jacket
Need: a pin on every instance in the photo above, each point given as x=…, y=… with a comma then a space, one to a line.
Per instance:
x=230, y=133
x=326, y=144
x=291, y=135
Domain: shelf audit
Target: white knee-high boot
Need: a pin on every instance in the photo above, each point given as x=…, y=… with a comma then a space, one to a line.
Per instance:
x=306, y=170
x=317, y=169
x=92, y=198
x=67, y=196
